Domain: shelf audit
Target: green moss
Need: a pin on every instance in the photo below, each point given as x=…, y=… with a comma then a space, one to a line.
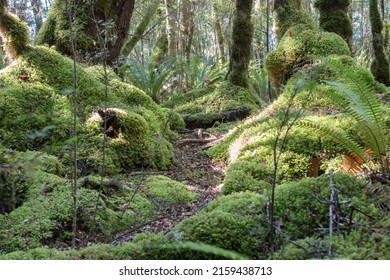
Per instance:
x=301, y=46
x=55, y=31
x=247, y=175
x=334, y=18
x=45, y=99
x=203, y=105
x=14, y=33
x=296, y=204
x=168, y=191
x=146, y=246
x=357, y=245
x=175, y=120
x=289, y=14
x=222, y=221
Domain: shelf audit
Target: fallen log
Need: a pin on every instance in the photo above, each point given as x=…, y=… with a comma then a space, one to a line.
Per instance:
x=207, y=120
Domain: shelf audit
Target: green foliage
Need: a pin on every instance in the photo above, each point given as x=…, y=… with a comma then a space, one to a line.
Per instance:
x=168, y=191
x=299, y=206
x=198, y=73
x=359, y=102
x=151, y=79
x=357, y=245
x=222, y=221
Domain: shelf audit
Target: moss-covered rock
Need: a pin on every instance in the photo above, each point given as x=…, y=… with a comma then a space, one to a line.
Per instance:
x=222, y=222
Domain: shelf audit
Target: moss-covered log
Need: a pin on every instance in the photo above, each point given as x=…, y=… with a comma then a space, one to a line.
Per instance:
x=13, y=31
x=380, y=65
x=112, y=16
x=334, y=18
x=241, y=44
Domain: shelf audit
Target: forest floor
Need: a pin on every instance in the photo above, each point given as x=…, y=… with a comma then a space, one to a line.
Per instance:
x=198, y=172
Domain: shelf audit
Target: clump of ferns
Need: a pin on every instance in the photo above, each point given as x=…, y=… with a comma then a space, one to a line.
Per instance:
x=358, y=101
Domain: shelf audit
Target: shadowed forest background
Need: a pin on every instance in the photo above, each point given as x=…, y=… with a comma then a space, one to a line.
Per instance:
x=182, y=129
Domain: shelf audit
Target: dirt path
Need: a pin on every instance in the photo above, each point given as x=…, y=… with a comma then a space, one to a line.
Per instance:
x=199, y=174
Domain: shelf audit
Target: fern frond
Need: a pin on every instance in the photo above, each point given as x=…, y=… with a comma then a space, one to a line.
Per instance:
x=374, y=139
x=338, y=136
x=363, y=105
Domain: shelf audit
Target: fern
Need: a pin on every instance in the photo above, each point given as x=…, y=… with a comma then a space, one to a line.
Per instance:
x=359, y=101
x=150, y=79
x=337, y=135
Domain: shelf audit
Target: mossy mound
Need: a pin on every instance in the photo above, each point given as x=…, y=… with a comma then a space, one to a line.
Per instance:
x=167, y=191
x=298, y=47
x=223, y=102
x=146, y=246
x=222, y=222
x=37, y=204
x=249, y=149
x=37, y=96
x=301, y=207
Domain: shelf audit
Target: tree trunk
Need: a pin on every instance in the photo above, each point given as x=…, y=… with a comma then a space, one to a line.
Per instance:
x=13, y=32
x=218, y=33
x=161, y=46
x=36, y=7
x=380, y=65
x=186, y=27
x=112, y=17
x=288, y=13
x=242, y=36
x=334, y=18
x=171, y=27
x=139, y=32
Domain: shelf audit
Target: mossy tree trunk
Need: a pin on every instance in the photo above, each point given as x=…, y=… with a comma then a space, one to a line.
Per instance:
x=139, y=32
x=186, y=27
x=380, y=65
x=334, y=17
x=288, y=13
x=160, y=49
x=113, y=16
x=242, y=36
x=218, y=32
x=171, y=27
x=13, y=32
